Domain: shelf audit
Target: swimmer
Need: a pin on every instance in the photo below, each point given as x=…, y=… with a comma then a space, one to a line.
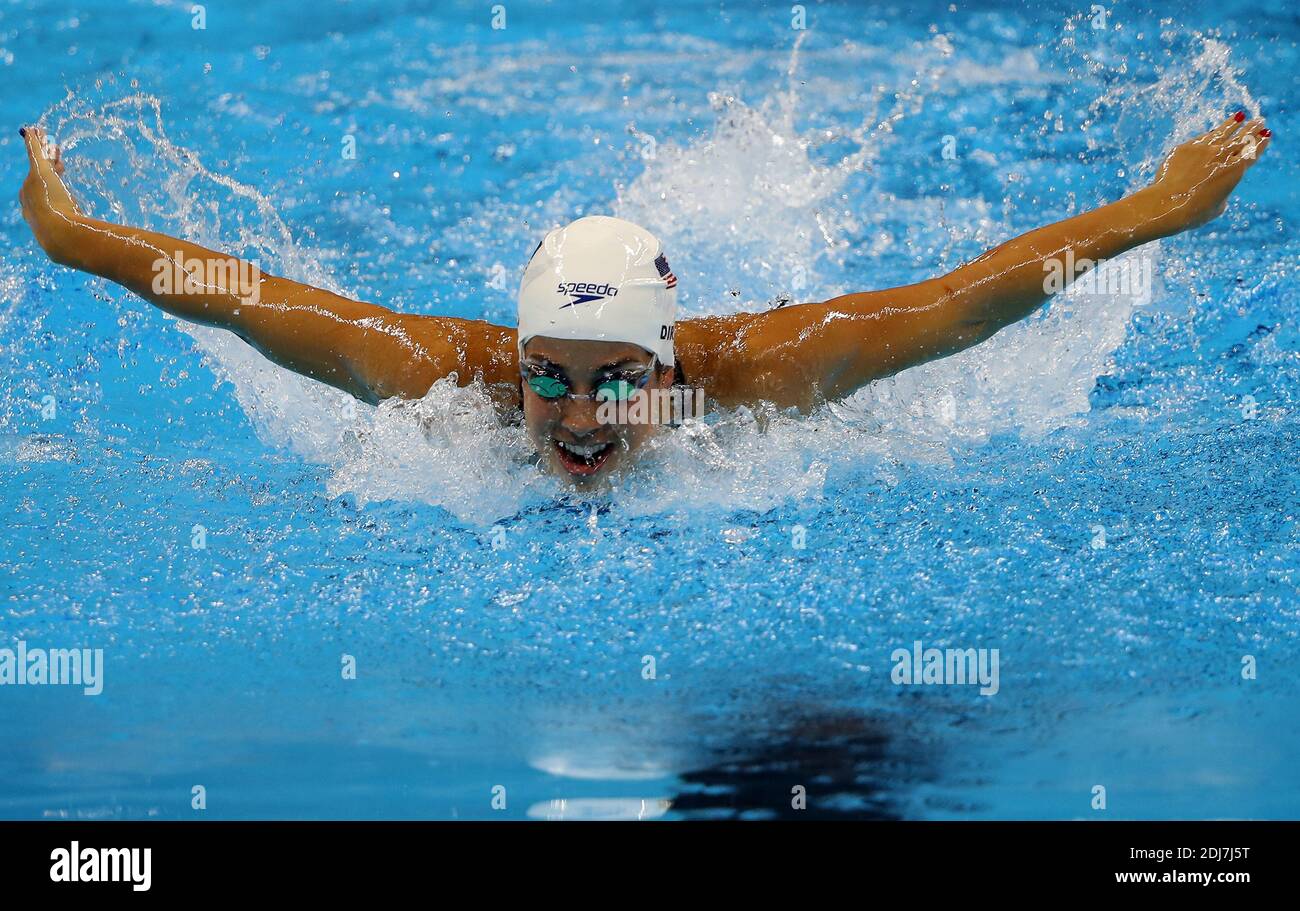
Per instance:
x=598, y=310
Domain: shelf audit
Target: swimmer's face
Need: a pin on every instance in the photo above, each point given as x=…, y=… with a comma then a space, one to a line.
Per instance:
x=568, y=433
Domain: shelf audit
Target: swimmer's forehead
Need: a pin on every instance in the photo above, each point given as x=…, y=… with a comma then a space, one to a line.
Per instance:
x=582, y=354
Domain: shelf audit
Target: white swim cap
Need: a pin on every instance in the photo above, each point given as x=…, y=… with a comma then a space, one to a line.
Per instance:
x=600, y=279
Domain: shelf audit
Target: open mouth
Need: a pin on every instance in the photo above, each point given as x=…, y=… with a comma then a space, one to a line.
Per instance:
x=583, y=460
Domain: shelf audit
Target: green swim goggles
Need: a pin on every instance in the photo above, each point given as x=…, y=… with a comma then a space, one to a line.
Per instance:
x=615, y=389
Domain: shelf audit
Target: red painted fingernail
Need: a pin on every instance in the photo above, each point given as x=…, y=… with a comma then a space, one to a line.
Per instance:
x=1266, y=132
x=1239, y=116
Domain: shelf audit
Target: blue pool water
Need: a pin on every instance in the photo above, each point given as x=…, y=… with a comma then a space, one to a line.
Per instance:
x=1107, y=494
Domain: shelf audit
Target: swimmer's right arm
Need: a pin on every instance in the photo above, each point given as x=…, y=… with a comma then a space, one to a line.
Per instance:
x=366, y=350
x=808, y=354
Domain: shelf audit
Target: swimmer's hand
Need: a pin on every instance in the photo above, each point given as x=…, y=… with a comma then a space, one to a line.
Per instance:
x=46, y=202
x=1197, y=178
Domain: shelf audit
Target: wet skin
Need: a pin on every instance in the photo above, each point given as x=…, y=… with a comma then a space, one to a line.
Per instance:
x=797, y=356
x=558, y=426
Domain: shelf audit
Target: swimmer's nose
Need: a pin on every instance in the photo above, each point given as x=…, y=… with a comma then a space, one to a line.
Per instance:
x=579, y=418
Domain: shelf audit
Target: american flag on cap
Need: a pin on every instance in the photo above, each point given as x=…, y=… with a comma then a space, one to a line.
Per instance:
x=661, y=263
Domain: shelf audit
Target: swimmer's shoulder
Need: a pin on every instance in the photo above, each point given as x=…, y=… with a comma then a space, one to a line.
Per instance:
x=466, y=344
x=743, y=359
x=439, y=346
x=712, y=355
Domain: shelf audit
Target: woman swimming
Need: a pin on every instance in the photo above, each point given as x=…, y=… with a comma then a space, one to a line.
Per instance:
x=598, y=336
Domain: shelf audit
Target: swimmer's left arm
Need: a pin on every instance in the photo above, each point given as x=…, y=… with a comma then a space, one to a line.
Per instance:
x=803, y=355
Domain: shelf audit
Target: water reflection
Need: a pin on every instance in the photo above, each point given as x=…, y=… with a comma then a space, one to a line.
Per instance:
x=850, y=766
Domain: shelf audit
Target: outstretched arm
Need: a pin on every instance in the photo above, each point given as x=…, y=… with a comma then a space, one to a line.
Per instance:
x=807, y=354
x=366, y=350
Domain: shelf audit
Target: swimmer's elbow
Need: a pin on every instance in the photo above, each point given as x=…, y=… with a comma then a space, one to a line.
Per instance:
x=974, y=305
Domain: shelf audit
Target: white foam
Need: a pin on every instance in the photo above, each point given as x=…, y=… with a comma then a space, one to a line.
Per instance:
x=753, y=200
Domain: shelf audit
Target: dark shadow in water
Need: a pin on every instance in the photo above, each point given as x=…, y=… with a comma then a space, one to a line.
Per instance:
x=851, y=767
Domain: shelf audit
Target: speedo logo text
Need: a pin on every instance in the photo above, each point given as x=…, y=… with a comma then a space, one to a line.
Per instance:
x=585, y=292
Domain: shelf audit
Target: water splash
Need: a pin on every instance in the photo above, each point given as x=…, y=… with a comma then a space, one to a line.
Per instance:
x=760, y=200
x=755, y=194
